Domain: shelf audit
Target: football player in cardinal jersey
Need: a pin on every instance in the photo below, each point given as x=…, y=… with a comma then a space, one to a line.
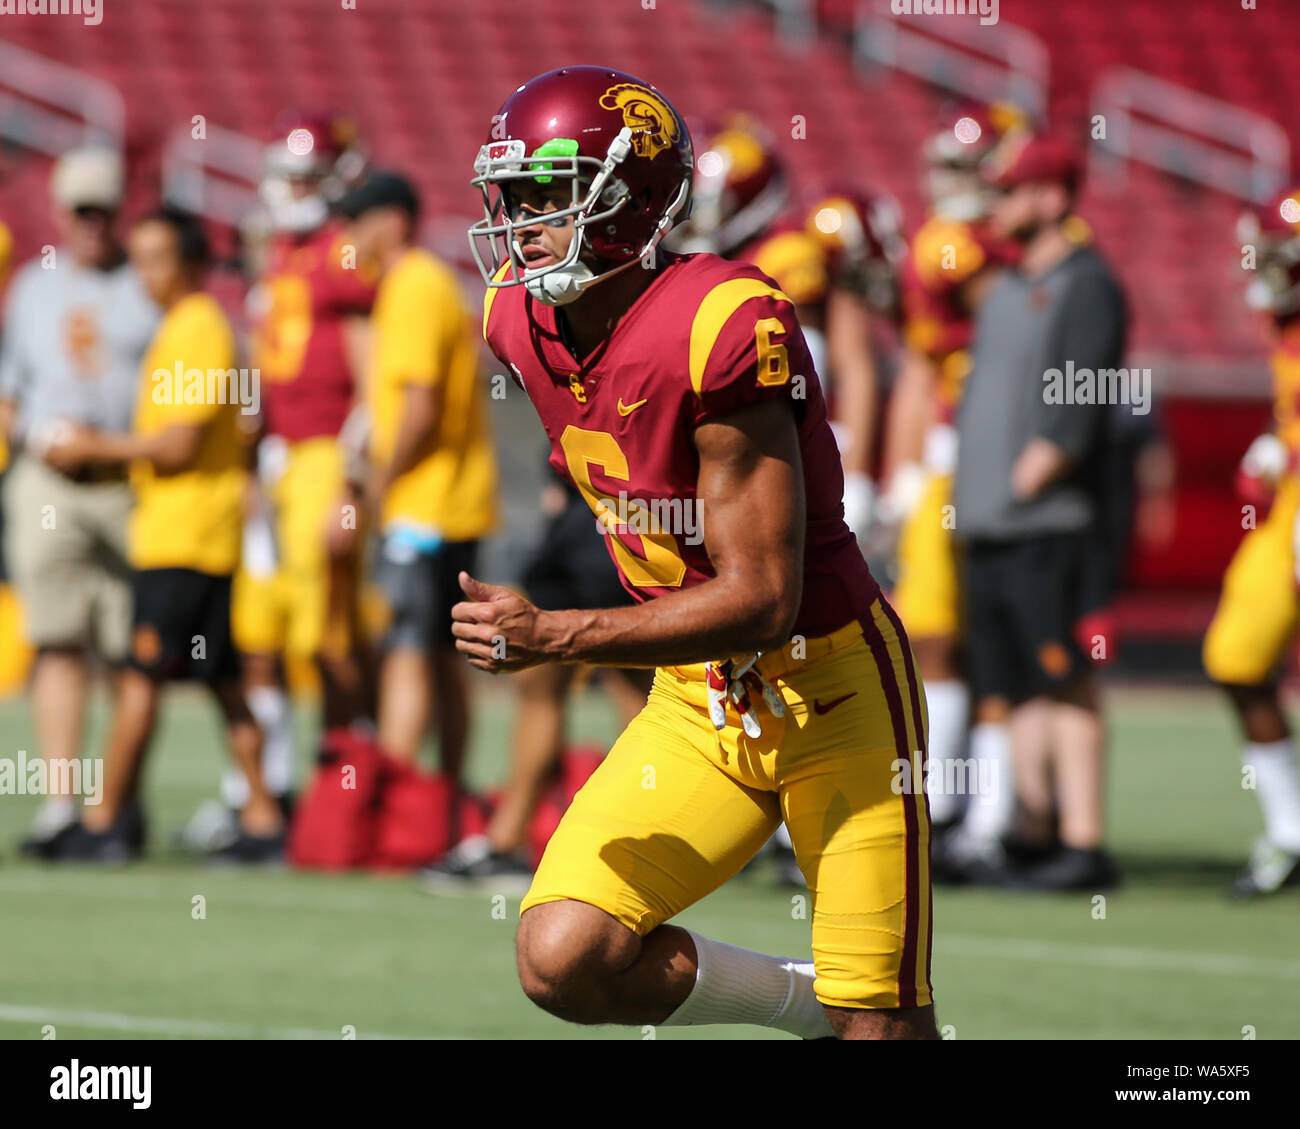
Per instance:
x=310, y=308
x=680, y=399
x=951, y=263
x=821, y=251
x=1259, y=612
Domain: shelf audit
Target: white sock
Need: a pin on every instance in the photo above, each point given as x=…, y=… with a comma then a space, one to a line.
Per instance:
x=1277, y=784
x=948, y=702
x=990, y=814
x=734, y=985
x=55, y=813
x=270, y=706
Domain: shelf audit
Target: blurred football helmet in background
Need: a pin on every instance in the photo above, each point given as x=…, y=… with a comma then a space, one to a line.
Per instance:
x=954, y=153
x=1274, y=232
x=313, y=160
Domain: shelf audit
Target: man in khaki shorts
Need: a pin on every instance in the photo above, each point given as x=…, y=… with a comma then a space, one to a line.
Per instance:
x=77, y=323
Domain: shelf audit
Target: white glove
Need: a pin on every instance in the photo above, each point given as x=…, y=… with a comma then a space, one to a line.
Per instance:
x=859, y=502
x=729, y=685
x=260, y=558
x=940, y=449
x=904, y=493
x=1266, y=458
x=272, y=460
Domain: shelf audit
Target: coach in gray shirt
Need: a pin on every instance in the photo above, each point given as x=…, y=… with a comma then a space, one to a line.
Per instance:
x=76, y=327
x=1032, y=426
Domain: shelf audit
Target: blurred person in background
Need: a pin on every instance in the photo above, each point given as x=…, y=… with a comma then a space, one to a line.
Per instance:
x=1028, y=512
x=833, y=253
x=187, y=459
x=953, y=261
x=571, y=568
x=1259, y=611
x=77, y=323
x=15, y=652
x=300, y=596
x=431, y=479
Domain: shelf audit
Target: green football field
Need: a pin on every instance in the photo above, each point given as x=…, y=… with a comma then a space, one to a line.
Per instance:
x=119, y=954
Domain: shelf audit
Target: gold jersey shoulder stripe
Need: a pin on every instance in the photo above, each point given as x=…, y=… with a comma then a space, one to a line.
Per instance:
x=491, y=295
x=714, y=313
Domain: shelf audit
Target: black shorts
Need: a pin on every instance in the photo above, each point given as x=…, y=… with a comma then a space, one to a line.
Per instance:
x=1022, y=601
x=421, y=589
x=572, y=567
x=181, y=626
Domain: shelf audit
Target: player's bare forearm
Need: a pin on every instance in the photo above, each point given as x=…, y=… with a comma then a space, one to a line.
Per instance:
x=420, y=417
x=710, y=621
x=853, y=364
x=910, y=412
x=750, y=490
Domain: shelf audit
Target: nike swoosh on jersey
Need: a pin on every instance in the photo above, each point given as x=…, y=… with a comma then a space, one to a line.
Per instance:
x=826, y=707
x=628, y=409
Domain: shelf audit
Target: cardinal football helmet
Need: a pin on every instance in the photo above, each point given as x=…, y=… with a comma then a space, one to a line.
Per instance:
x=1274, y=232
x=322, y=148
x=862, y=234
x=955, y=152
x=741, y=187
x=625, y=153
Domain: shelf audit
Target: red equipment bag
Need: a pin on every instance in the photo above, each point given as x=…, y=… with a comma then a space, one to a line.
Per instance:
x=334, y=823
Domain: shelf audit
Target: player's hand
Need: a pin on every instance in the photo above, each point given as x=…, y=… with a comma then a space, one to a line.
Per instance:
x=497, y=629
x=70, y=447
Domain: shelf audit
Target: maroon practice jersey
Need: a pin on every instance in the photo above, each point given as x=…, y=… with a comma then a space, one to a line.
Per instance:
x=707, y=338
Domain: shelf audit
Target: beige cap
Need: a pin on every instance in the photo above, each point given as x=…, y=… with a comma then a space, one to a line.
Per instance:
x=91, y=177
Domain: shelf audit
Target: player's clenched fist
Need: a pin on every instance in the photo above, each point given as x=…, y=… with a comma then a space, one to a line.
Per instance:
x=496, y=628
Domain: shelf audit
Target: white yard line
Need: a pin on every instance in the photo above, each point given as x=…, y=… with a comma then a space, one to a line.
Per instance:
x=1116, y=956
x=162, y=1025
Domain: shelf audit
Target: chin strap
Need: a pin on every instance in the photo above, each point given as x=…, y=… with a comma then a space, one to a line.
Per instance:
x=560, y=287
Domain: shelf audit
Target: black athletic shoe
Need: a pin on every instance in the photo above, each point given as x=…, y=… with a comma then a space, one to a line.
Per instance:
x=958, y=859
x=79, y=844
x=249, y=850
x=473, y=865
x=1071, y=868
x=51, y=825
x=1269, y=870
x=1023, y=855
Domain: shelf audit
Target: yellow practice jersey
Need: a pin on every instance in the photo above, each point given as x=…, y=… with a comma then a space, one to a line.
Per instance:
x=1285, y=362
x=423, y=335
x=192, y=519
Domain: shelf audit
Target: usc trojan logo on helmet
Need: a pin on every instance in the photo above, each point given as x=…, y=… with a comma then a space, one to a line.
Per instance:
x=652, y=122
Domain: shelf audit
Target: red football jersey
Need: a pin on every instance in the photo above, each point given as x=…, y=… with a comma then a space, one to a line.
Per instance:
x=298, y=344
x=707, y=338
